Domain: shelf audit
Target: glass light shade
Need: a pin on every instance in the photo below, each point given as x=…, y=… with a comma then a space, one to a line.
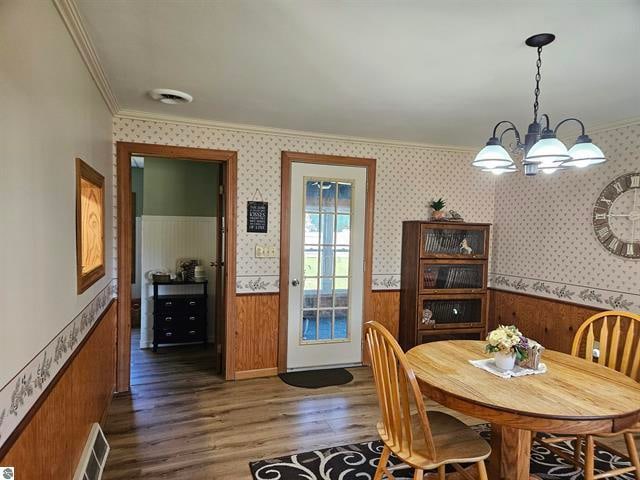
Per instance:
x=492, y=156
x=550, y=170
x=501, y=170
x=547, y=151
x=583, y=155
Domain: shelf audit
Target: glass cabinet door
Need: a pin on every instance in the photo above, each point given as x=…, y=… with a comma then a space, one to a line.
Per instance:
x=439, y=276
x=454, y=241
x=442, y=312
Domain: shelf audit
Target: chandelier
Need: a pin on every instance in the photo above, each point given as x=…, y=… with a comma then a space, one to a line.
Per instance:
x=542, y=151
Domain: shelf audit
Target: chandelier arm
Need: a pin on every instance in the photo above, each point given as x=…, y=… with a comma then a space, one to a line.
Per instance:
x=555, y=131
x=511, y=124
x=516, y=134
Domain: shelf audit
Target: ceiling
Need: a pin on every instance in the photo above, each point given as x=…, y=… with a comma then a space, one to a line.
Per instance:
x=438, y=72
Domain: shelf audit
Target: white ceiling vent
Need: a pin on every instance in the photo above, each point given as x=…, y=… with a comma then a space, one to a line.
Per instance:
x=94, y=456
x=171, y=97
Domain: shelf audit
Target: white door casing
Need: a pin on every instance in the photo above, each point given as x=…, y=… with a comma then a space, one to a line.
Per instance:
x=326, y=265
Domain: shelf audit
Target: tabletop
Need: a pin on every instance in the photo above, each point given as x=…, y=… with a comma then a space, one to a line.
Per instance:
x=571, y=389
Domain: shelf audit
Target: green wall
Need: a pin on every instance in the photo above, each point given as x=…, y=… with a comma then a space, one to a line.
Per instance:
x=137, y=187
x=180, y=187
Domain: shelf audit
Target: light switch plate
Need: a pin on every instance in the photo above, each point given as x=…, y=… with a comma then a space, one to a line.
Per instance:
x=259, y=251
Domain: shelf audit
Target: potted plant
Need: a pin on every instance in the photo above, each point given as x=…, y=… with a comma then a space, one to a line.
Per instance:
x=438, y=209
x=507, y=344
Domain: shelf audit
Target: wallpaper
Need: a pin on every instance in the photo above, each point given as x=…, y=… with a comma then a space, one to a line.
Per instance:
x=544, y=241
x=407, y=179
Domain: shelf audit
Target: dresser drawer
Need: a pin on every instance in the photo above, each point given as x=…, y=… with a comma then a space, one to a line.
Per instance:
x=168, y=305
x=194, y=304
x=180, y=334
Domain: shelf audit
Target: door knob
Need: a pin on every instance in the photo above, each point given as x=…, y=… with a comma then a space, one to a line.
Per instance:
x=295, y=282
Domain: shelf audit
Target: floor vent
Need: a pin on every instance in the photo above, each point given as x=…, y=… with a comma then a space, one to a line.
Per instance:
x=94, y=456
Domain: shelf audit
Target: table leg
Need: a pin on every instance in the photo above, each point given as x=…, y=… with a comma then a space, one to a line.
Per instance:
x=510, y=453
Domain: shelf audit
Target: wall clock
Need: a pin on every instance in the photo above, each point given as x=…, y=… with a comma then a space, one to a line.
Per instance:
x=616, y=216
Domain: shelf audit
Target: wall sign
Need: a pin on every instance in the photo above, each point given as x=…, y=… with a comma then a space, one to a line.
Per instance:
x=257, y=217
x=616, y=216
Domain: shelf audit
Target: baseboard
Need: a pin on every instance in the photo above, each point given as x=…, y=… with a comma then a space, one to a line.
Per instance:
x=260, y=372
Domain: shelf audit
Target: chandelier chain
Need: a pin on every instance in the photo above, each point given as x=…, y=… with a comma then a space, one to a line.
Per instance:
x=537, y=89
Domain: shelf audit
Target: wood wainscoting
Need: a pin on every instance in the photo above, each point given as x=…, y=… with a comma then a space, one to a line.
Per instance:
x=257, y=322
x=553, y=323
x=49, y=441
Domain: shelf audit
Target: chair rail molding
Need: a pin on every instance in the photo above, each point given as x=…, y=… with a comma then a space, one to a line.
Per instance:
x=21, y=393
x=567, y=292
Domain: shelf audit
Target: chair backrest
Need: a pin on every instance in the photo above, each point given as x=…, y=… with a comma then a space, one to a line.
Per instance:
x=618, y=337
x=397, y=391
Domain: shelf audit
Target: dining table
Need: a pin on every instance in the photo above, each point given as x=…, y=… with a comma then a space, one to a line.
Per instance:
x=574, y=396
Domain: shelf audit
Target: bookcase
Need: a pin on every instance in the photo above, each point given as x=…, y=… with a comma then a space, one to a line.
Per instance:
x=443, y=285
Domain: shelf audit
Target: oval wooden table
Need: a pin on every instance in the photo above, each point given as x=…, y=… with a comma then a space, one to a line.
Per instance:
x=574, y=396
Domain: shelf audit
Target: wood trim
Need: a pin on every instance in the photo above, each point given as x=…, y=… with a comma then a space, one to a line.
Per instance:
x=15, y=434
x=87, y=172
x=258, y=373
x=287, y=159
x=124, y=150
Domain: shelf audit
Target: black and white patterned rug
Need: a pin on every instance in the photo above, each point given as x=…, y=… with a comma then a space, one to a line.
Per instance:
x=359, y=462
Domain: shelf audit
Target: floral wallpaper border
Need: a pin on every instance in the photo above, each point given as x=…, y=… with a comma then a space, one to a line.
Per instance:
x=582, y=294
x=21, y=393
x=271, y=283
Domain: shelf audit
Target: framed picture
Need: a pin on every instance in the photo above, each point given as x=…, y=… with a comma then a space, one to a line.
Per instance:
x=89, y=225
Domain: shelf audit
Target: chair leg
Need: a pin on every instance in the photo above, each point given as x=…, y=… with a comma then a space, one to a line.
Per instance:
x=482, y=471
x=382, y=463
x=577, y=450
x=588, y=459
x=418, y=474
x=633, y=453
x=441, y=472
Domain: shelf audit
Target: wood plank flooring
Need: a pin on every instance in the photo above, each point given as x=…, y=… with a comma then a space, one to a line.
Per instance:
x=181, y=421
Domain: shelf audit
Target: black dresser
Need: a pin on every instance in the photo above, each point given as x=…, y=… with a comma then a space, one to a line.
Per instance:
x=179, y=318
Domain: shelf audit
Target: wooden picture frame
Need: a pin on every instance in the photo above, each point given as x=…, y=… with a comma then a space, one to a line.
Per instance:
x=90, y=246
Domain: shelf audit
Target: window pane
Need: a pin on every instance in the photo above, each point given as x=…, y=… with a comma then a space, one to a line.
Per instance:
x=327, y=235
x=340, y=326
x=327, y=255
x=326, y=292
x=328, y=196
x=310, y=261
x=309, y=319
x=310, y=295
x=342, y=283
x=342, y=295
x=342, y=262
x=325, y=325
x=343, y=230
x=344, y=198
x=311, y=228
x=312, y=203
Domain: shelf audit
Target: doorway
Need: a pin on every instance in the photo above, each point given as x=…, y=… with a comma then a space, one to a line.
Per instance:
x=217, y=264
x=326, y=255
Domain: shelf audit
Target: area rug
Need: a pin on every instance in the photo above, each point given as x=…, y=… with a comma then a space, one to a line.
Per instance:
x=359, y=462
x=317, y=378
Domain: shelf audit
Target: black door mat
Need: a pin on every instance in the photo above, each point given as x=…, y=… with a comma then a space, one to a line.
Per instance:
x=317, y=378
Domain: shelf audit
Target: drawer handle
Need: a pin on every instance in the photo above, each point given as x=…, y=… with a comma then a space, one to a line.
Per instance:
x=192, y=318
x=192, y=332
x=192, y=302
x=168, y=334
x=168, y=319
x=168, y=304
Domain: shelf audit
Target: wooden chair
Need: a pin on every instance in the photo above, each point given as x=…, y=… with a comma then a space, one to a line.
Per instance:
x=619, y=351
x=425, y=441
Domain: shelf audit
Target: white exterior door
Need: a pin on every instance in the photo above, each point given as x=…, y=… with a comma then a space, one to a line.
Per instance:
x=326, y=263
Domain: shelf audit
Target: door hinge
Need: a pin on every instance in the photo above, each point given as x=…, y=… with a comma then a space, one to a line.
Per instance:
x=221, y=189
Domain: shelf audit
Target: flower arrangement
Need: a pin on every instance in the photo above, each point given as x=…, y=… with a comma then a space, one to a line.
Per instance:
x=507, y=340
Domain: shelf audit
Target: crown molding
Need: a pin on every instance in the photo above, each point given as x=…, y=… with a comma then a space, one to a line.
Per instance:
x=605, y=127
x=70, y=14
x=198, y=122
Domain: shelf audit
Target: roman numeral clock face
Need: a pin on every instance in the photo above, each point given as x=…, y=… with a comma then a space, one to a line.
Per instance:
x=616, y=216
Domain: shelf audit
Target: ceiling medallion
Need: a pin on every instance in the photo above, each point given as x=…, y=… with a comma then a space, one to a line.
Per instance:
x=543, y=152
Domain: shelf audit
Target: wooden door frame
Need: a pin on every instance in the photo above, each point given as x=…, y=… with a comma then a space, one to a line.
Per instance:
x=285, y=216
x=124, y=150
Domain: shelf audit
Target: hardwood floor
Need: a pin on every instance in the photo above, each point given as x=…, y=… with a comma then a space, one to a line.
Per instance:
x=181, y=421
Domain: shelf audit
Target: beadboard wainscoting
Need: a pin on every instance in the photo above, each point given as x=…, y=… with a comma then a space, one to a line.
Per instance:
x=164, y=240
x=80, y=385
